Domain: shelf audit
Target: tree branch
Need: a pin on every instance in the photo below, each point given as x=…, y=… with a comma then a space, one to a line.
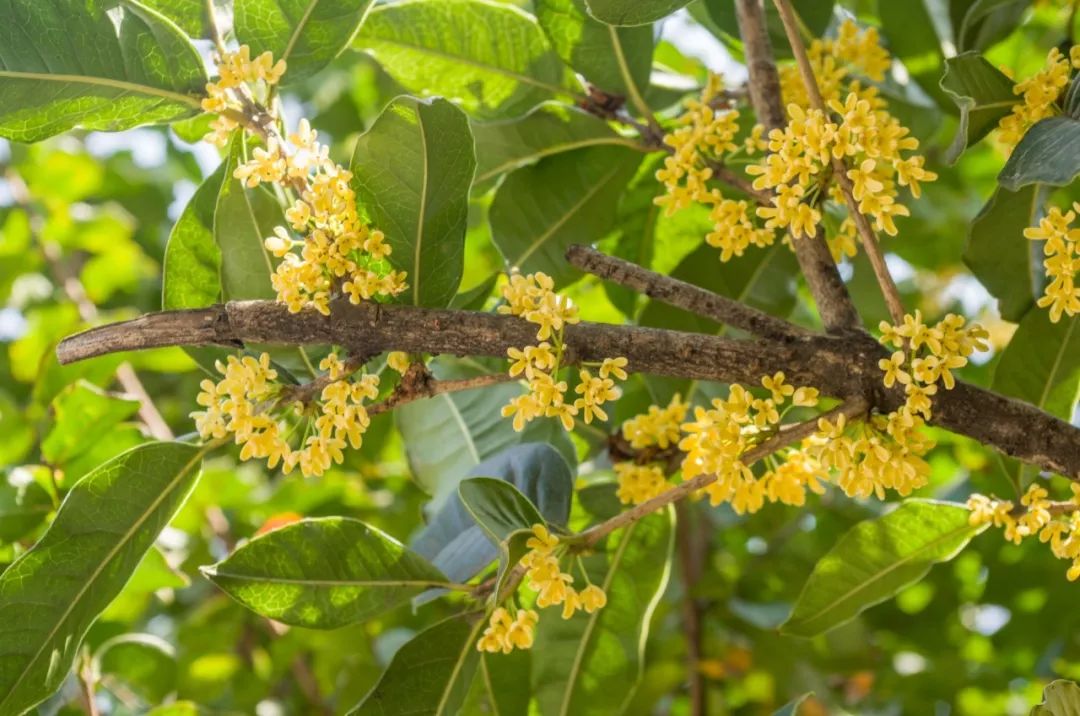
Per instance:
x=840, y=366
x=837, y=311
x=866, y=232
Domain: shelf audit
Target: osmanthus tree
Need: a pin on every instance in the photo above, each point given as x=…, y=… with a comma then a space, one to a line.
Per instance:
x=688, y=302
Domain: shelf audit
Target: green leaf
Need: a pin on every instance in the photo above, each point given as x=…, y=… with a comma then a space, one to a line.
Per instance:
x=551, y=128
x=982, y=92
x=153, y=575
x=51, y=595
x=498, y=507
x=412, y=172
x=875, y=560
x=307, y=34
x=92, y=64
x=588, y=665
x=999, y=255
x=1060, y=698
x=454, y=539
x=912, y=39
x=1041, y=364
x=632, y=12
x=429, y=675
x=1048, y=154
x=191, y=276
x=243, y=218
x=491, y=58
x=792, y=707
x=814, y=15
x=989, y=21
x=142, y=664
x=189, y=15
x=24, y=504
x=570, y=198
x=285, y=574
x=449, y=435
x=505, y=679
x=83, y=415
x=615, y=60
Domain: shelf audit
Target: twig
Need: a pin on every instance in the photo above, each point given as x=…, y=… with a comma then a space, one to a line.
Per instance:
x=682, y=295
x=866, y=232
x=431, y=388
x=725, y=174
x=588, y=538
x=212, y=25
x=837, y=310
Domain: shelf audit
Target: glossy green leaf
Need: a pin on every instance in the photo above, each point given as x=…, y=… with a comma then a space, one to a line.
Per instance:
x=589, y=664
x=989, y=21
x=429, y=675
x=614, y=60
x=189, y=15
x=1041, y=364
x=447, y=436
x=999, y=255
x=142, y=664
x=412, y=172
x=307, y=34
x=153, y=576
x=243, y=218
x=92, y=64
x=454, y=540
x=982, y=92
x=492, y=58
x=498, y=507
x=285, y=574
x=51, y=595
x=551, y=128
x=1048, y=154
x=83, y=415
x=570, y=198
x=1060, y=698
x=191, y=276
x=875, y=560
x=632, y=12
x=24, y=504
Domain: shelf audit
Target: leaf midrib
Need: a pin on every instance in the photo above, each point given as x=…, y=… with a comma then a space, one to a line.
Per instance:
x=300, y=26
x=420, y=583
x=104, y=82
x=422, y=213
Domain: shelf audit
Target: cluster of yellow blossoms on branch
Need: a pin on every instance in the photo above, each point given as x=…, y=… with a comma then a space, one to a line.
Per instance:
x=1062, y=262
x=1041, y=94
x=533, y=298
x=336, y=249
x=543, y=575
x=1057, y=524
x=798, y=168
x=252, y=406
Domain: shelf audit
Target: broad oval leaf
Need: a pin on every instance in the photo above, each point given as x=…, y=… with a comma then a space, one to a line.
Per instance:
x=615, y=60
x=51, y=595
x=412, y=172
x=455, y=542
x=1041, y=364
x=982, y=92
x=191, y=275
x=23, y=506
x=243, y=218
x=570, y=198
x=632, y=12
x=875, y=559
x=138, y=663
x=999, y=255
x=551, y=128
x=1060, y=698
x=428, y=676
x=498, y=507
x=285, y=574
x=589, y=664
x=307, y=34
x=491, y=58
x=1048, y=154
x=988, y=21
x=142, y=69
x=83, y=415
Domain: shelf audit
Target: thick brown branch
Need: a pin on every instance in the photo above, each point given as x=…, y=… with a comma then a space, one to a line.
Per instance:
x=833, y=302
x=682, y=295
x=840, y=366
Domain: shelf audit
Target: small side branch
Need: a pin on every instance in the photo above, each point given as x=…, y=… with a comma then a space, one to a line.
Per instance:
x=682, y=295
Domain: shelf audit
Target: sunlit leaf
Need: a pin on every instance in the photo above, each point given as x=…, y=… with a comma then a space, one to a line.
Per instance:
x=638, y=12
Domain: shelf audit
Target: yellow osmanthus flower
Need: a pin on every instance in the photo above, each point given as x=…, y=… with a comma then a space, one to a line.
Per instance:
x=658, y=427
x=505, y=633
x=836, y=64
x=533, y=298
x=639, y=483
x=246, y=403
x=1041, y=94
x=398, y=361
x=1060, y=528
x=336, y=249
x=1062, y=263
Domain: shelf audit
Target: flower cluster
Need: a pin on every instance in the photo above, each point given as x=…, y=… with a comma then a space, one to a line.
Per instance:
x=553, y=587
x=1041, y=94
x=249, y=404
x=336, y=249
x=1062, y=262
x=715, y=440
x=533, y=298
x=1056, y=523
x=704, y=134
x=837, y=63
x=649, y=433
